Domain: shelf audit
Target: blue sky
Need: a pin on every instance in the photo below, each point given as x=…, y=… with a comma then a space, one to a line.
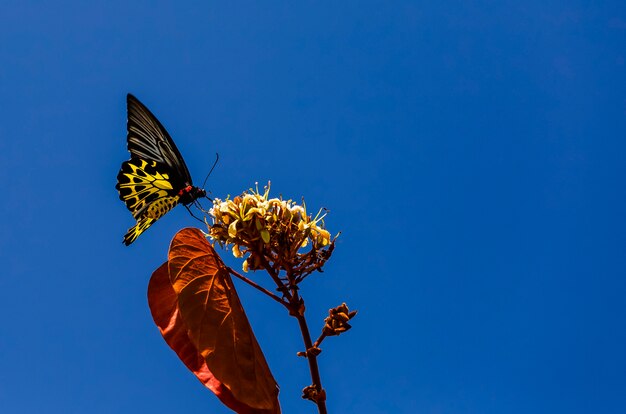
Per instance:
x=471, y=152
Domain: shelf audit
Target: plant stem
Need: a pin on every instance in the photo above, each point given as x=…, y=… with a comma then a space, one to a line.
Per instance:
x=296, y=309
x=315, y=373
x=319, y=340
x=275, y=277
x=257, y=286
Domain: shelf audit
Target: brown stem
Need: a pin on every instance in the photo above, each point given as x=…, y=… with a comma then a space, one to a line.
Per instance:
x=319, y=340
x=296, y=309
x=259, y=287
x=315, y=373
x=274, y=275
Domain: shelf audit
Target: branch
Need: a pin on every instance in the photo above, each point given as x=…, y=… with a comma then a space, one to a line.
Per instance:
x=259, y=287
x=315, y=392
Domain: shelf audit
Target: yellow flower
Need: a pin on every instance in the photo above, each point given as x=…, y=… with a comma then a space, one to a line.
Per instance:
x=232, y=229
x=270, y=231
x=236, y=251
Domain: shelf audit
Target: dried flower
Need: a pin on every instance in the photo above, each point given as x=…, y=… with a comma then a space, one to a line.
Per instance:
x=337, y=320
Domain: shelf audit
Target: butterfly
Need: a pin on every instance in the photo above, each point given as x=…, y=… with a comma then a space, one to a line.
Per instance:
x=155, y=179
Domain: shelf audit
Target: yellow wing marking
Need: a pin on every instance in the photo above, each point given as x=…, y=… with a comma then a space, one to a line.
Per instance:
x=140, y=183
x=153, y=212
x=134, y=232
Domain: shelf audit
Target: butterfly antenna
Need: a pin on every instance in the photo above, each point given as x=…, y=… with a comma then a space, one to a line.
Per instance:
x=217, y=158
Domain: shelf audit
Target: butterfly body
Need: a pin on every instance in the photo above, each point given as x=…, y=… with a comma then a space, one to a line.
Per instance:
x=156, y=178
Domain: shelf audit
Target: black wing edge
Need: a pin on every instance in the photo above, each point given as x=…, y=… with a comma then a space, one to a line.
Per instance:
x=175, y=159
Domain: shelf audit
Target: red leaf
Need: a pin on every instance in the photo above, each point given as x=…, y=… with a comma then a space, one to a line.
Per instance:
x=163, y=304
x=201, y=318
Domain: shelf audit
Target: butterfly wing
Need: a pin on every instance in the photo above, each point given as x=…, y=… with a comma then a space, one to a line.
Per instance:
x=148, y=140
x=141, y=183
x=155, y=210
x=149, y=190
x=134, y=232
x=150, y=183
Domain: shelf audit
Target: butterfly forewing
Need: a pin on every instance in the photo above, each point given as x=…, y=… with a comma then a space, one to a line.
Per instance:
x=147, y=139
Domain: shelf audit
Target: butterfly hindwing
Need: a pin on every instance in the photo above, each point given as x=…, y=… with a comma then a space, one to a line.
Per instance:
x=134, y=232
x=154, y=211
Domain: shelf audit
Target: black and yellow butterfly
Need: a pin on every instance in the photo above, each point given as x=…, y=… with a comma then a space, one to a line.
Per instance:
x=155, y=179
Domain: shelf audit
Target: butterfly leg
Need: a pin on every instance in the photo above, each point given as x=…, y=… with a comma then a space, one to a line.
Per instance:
x=200, y=207
x=193, y=215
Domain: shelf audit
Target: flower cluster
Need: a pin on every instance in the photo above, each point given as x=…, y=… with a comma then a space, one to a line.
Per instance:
x=271, y=233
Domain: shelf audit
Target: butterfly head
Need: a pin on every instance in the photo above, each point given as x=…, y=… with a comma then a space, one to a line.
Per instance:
x=199, y=192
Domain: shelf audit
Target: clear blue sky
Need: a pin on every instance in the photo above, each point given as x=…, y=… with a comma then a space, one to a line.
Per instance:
x=473, y=153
